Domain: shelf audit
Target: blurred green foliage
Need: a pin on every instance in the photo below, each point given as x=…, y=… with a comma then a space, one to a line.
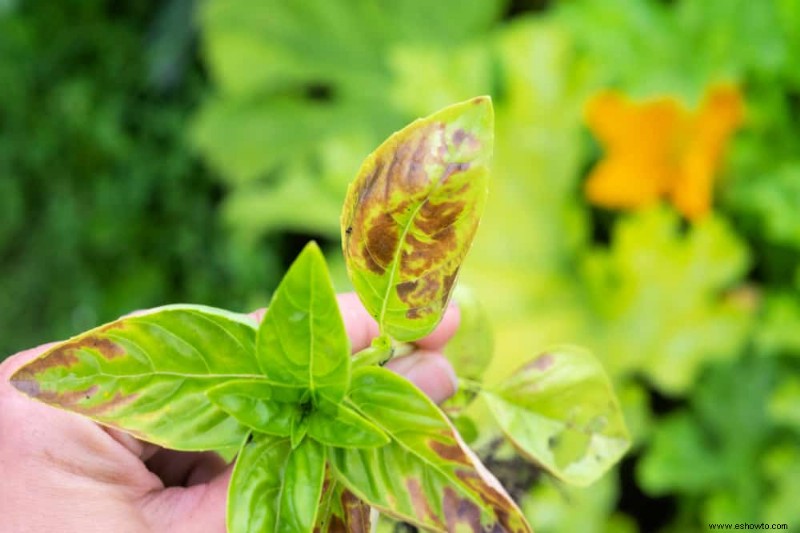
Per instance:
x=103, y=206
x=104, y=111
x=696, y=321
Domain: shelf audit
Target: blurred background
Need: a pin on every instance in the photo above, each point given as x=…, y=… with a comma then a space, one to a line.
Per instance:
x=645, y=199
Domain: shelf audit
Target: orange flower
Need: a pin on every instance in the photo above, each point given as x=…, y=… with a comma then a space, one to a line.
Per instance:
x=657, y=149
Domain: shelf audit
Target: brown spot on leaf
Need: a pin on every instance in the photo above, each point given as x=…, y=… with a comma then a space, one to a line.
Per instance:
x=76, y=401
x=433, y=218
x=406, y=288
x=449, y=280
x=450, y=452
x=422, y=507
x=381, y=243
x=63, y=356
x=460, y=511
x=356, y=515
x=499, y=502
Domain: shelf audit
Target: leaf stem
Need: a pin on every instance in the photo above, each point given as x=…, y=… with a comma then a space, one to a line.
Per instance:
x=381, y=351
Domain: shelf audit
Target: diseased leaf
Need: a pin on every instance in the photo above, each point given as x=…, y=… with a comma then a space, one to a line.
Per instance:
x=338, y=425
x=302, y=341
x=147, y=374
x=275, y=487
x=259, y=404
x=411, y=214
x=340, y=511
x=426, y=475
x=560, y=411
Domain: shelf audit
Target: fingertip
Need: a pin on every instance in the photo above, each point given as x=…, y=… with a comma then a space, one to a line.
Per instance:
x=444, y=331
x=430, y=371
x=361, y=327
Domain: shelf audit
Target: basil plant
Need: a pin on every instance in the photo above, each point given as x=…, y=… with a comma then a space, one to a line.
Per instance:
x=322, y=437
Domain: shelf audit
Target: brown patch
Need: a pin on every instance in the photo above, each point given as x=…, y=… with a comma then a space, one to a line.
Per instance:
x=356, y=514
x=448, y=282
x=434, y=218
x=454, y=168
x=413, y=313
x=499, y=502
x=450, y=452
x=458, y=136
x=63, y=356
x=422, y=508
x=460, y=511
x=406, y=288
x=381, y=243
x=75, y=401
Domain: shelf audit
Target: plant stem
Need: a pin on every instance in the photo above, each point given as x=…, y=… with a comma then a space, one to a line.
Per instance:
x=381, y=351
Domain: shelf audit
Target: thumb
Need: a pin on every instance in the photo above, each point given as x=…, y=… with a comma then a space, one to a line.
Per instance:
x=196, y=509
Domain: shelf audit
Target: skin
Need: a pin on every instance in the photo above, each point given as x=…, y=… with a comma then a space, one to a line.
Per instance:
x=63, y=472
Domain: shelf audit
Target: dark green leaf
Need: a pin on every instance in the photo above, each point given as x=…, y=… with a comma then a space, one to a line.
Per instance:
x=426, y=475
x=148, y=374
x=411, y=214
x=302, y=341
x=560, y=411
x=259, y=404
x=340, y=426
x=275, y=487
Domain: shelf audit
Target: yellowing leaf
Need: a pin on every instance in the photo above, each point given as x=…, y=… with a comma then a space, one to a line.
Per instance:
x=560, y=411
x=147, y=374
x=411, y=214
x=426, y=475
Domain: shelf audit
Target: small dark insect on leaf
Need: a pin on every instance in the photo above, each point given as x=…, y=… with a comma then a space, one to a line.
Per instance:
x=349, y=230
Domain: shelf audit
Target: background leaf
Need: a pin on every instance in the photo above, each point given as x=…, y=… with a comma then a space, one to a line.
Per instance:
x=275, y=487
x=411, y=214
x=302, y=341
x=560, y=411
x=426, y=475
x=148, y=374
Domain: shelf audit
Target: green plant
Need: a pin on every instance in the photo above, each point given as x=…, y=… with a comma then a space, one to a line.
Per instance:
x=321, y=435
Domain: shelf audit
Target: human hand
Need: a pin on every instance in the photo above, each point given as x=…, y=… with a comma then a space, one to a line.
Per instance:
x=63, y=472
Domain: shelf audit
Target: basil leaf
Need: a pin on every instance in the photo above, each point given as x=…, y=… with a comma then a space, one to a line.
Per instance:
x=338, y=425
x=275, y=487
x=259, y=404
x=411, y=214
x=147, y=374
x=560, y=411
x=302, y=341
x=426, y=475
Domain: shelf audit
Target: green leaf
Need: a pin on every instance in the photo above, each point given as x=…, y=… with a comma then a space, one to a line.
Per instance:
x=471, y=348
x=148, y=374
x=560, y=411
x=259, y=404
x=411, y=214
x=302, y=341
x=340, y=511
x=340, y=426
x=275, y=487
x=426, y=475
